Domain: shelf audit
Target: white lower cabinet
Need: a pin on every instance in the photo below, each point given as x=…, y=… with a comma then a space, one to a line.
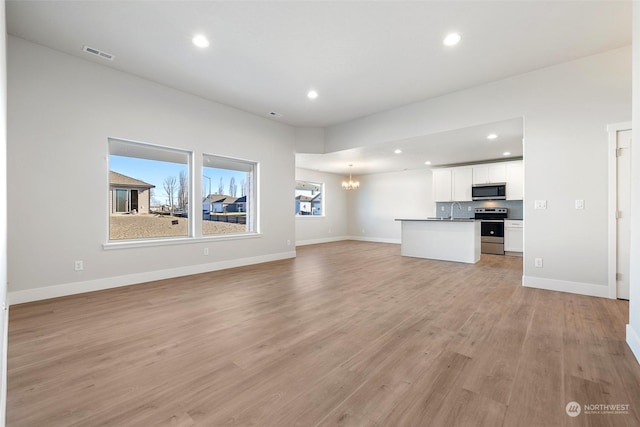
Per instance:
x=513, y=235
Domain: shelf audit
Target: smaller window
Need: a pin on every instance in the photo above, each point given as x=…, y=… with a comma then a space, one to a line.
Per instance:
x=309, y=198
x=229, y=195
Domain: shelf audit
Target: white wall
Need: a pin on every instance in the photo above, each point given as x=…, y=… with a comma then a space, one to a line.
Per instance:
x=384, y=197
x=633, y=329
x=4, y=314
x=309, y=140
x=566, y=109
x=62, y=109
x=331, y=227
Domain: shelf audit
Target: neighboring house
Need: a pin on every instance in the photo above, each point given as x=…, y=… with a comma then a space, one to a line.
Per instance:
x=127, y=194
x=303, y=205
x=218, y=203
x=240, y=205
x=316, y=204
x=309, y=205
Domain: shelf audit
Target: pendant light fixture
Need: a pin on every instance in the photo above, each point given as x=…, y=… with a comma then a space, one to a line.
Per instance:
x=351, y=184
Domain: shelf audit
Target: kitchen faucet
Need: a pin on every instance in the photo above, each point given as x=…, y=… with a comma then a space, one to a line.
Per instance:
x=452, y=205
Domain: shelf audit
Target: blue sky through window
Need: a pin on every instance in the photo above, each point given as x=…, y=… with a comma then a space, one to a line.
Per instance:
x=154, y=172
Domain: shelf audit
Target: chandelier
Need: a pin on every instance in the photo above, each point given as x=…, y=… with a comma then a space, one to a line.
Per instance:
x=351, y=184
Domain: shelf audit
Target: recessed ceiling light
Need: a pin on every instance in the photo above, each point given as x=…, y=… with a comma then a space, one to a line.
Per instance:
x=506, y=153
x=312, y=94
x=451, y=39
x=427, y=162
x=492, y=136
x=200, y=41
x=397, y=151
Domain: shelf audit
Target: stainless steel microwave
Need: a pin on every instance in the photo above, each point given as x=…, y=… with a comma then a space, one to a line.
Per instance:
x=495, y=191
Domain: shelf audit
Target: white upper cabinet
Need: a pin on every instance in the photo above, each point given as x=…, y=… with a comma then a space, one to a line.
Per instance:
x=454, y=184
x=462, y=181
x=481, y=174
x=515, y=181
x=490, y=173
x=442, y=185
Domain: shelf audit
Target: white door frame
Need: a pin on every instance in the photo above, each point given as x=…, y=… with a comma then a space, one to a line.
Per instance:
x=613, y=130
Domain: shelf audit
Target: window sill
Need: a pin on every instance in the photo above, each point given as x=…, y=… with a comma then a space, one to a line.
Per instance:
x=129, y=244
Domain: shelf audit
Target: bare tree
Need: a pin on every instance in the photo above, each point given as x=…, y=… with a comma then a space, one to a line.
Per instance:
x=221, y=186
x=243, y=188
x=183, y=190
x=154, y=199
x=169, y=185
x=233, y=188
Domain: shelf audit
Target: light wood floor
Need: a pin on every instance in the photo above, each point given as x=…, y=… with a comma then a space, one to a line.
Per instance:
x=348, y=333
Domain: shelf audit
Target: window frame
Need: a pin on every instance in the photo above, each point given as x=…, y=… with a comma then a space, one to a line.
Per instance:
x=194, y=234
x=145, y=241
x=252, y=207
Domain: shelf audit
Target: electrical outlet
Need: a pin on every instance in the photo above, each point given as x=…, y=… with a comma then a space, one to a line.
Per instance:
x=540, y=204
x=442, y=208
x=538, y=262
x=363, y=231
x=468, y=208
x=579, y=204
x=288, y=242
x=78, y=265
x=205, y=252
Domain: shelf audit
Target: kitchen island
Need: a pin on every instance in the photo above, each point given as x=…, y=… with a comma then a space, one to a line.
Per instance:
x=442, y=239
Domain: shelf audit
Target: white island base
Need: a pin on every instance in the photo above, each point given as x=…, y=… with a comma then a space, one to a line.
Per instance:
x=457, y=240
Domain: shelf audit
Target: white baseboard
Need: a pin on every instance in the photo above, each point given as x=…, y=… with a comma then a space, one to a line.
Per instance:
x=566, y=286
x=324, y=240
x=37, y=294
x=633, y=339
x=375, y=239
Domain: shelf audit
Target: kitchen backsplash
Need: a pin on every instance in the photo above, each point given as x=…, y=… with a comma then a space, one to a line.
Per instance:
x=515, y=208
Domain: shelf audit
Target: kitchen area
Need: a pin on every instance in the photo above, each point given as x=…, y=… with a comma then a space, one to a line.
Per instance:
x=479, y=210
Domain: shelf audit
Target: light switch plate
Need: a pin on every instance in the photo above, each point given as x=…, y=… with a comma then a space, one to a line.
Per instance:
x=579, y=204
x=540, y=204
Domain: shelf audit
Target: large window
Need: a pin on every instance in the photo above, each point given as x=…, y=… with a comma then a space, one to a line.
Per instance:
x=228, y=195
x=149, y=190
x=309, y=198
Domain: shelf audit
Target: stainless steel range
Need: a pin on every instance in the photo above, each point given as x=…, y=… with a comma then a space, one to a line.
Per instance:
x=491, y=229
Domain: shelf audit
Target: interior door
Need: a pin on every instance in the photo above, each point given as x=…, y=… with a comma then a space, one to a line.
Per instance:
x=624, y=209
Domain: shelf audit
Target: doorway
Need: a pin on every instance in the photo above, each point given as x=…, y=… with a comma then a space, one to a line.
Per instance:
x=620, y=147
x=134, y=200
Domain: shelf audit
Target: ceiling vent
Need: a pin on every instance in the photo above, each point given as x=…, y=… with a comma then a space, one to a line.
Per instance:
x=101, y=54
x=274, y=114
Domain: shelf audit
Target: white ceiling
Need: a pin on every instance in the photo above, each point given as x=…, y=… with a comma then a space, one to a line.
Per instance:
x=460, y=146
x=361, y=56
